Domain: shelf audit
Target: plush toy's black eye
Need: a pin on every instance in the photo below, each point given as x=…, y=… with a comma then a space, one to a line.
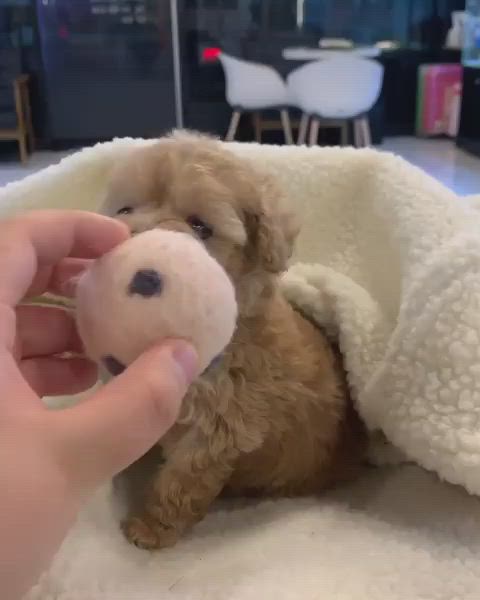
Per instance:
x=113, y=366
x=146, y=283
x=202, y=230
x=126, y=210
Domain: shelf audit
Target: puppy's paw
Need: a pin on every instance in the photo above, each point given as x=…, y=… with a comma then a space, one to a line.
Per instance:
x=148, y=534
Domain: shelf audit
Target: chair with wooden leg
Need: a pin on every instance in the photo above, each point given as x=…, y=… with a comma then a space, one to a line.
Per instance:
x=15, y=110
x=254, y=88
x=303, y=129
x=335, y=92
x=23, y=108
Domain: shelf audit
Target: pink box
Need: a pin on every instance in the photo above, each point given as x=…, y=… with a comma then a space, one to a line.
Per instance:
x=439, y=102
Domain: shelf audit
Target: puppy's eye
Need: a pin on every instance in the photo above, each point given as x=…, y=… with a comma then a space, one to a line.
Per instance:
x=126, y=210
x=202, y=230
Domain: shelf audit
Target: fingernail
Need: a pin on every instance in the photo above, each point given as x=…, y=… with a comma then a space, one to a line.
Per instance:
x=187, y=359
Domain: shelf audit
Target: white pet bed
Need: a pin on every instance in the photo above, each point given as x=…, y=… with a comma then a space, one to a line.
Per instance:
x=396, y=277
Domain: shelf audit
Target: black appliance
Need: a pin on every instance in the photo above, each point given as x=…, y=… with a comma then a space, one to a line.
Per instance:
x=469, y=132
x=110, y=67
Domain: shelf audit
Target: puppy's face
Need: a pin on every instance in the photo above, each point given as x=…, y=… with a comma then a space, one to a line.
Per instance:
x=192, y=184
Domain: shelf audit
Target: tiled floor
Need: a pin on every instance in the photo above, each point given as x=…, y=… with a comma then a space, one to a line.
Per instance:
x=441, y=158
x=12, y=171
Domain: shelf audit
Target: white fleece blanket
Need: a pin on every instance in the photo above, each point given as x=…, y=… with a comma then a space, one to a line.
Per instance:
x=394, y=274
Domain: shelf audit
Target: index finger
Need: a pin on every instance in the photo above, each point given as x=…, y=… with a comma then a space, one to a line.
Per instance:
x=43, y=238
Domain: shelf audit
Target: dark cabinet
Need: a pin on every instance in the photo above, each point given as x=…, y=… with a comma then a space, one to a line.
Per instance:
x=469, y=133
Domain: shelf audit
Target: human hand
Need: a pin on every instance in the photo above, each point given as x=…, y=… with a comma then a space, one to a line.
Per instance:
x=50, y=460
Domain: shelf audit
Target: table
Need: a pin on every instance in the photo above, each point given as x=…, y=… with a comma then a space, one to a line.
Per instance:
x=305, y=54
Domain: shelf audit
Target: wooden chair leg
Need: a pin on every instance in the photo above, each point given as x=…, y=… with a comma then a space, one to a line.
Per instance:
x=357, y=134
x=29, y=122
x=287, y=127
x=366, y=133
x=302, y=130
x=232, y=129
x=314, y=129
x=257, y=126
x=22, y=142
x=22, y=133
x=344, y=133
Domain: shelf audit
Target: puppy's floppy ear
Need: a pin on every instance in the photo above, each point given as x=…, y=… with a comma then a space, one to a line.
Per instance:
x=272, y=229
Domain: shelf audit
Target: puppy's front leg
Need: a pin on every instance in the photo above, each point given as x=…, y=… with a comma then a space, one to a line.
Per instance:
x=192, y=477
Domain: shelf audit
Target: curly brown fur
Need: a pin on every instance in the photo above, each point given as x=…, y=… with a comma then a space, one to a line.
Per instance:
x=273, y=417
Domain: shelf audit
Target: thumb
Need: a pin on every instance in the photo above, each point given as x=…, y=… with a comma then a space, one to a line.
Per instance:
x=125, y=418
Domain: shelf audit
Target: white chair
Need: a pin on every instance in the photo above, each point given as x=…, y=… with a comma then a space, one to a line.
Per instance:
x=253, y=87
x=336, y=91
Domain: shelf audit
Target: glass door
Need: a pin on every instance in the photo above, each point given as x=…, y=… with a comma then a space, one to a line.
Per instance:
x=108, y=67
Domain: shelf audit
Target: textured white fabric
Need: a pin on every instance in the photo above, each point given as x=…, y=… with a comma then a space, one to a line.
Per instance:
x=395, y=261
x=396, y=276
x=393, y=535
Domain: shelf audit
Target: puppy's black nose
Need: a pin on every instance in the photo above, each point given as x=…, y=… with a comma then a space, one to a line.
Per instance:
x=113, y=366
x=146, y=283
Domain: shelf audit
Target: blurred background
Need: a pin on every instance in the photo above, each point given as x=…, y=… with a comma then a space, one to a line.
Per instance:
x=74, y=72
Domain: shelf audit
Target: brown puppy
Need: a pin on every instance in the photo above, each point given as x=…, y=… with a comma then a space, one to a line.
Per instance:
x=272, y=417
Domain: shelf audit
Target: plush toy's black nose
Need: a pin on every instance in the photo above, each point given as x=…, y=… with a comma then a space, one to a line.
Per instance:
x=146, y=283
x=113, y=366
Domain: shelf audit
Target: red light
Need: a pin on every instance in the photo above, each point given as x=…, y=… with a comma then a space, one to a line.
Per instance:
x=211, y=54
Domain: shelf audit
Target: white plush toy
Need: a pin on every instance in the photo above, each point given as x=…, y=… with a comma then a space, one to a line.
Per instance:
x=157, y=285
